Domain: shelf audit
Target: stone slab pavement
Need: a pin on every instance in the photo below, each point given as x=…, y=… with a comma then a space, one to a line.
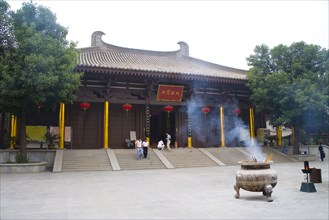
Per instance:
x=186, y=193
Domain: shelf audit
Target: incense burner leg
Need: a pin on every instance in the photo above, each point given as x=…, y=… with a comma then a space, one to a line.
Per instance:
x=237, y=189
x=268, y=189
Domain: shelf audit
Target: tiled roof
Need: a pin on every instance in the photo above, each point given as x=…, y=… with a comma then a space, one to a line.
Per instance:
x=103, y=55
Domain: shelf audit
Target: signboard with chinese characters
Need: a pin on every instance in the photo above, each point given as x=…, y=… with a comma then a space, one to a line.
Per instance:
x=170, y=93
x=133, y=135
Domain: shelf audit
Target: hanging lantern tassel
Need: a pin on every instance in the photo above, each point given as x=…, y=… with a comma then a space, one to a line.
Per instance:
x=168, y=109
x=205, y=110
x=236, y=112
x=84, y=106
x=127, y=107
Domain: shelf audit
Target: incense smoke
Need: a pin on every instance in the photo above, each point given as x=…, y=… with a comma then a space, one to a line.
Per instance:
x=236, y=131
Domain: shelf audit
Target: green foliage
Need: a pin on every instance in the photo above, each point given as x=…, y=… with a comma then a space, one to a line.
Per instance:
x=50, y=137
x=39, y=67
x=7, y=38
x=19, y=158
x=290, y=84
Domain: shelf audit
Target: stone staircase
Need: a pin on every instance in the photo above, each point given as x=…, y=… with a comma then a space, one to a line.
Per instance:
x=232, y=155
x=85, y=160
x=228, y=155
x=278, y=157
x=188, y=157
x=127, y=160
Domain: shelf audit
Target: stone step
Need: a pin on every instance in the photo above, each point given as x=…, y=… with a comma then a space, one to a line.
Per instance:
x=278, y=157
x=228, y=155
x=188, y=157
x=232, y=155
x=84, y=163
x=88, y=169
x=85, y=166
x=85, y=160
x=127, y=158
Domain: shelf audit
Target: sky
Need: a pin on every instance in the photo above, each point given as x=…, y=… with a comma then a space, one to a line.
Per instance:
x=218, y=31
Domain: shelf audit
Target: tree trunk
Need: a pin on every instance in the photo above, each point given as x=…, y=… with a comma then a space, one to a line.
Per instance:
x=296, y=141
x=22, y=133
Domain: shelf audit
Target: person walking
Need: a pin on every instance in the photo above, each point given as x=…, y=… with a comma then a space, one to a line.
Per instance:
x=161, y=145
x=321, y=151
x=145, y=145
x=168, y=138
x=138, y=144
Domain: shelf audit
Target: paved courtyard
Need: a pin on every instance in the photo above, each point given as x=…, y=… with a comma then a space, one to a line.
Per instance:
x=186, y=193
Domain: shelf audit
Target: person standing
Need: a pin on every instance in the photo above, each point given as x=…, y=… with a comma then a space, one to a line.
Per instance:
x=168, y=138
x=145, y=145
x=322, y=154
x=138, y=144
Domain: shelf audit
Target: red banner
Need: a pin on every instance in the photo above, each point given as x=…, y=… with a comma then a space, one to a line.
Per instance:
x=170, y=93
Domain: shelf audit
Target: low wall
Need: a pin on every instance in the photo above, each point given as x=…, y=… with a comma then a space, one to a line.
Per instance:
x=304, y=157
x=307, y=152
x=37, y=155
x=314, y=149
x=23, y=167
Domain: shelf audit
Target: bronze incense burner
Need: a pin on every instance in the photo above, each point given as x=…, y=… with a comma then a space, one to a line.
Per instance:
x=256, y=177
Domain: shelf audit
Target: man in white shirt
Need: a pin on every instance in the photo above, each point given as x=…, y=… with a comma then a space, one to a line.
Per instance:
x=161, y=145
x=168, y=138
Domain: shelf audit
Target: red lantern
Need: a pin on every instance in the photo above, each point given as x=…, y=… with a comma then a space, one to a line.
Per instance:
x=236, y=111
x=205, y=110
x=168, y=108
x=127, y=107
x=84, y=105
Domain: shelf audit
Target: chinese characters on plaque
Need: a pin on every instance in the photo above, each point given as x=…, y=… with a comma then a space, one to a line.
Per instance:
x=170, y=93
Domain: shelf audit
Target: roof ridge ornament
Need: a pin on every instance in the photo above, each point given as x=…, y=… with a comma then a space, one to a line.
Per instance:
x=96, y=38
x=184, y=48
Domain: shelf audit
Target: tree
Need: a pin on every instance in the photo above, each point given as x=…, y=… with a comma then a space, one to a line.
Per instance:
x=39, y=69
x=7, y=40
x=290, y=85
x=6, y=43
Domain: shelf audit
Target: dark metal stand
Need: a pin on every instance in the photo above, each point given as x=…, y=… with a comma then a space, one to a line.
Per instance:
x=307, y=186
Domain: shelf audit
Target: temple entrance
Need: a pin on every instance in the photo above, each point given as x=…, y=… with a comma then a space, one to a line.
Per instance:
x=161, y=123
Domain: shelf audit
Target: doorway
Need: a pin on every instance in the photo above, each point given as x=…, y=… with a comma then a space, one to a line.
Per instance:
x=162, y=122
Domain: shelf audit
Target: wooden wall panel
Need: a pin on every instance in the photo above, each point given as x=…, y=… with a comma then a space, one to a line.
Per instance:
x=86, y=126
x=181, y=127
x=121, y=123
x=115, y=126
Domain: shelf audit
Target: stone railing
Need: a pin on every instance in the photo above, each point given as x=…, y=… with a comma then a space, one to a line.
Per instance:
x=23, y=167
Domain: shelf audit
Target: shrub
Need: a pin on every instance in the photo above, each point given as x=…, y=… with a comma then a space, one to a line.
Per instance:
x=20, y=159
